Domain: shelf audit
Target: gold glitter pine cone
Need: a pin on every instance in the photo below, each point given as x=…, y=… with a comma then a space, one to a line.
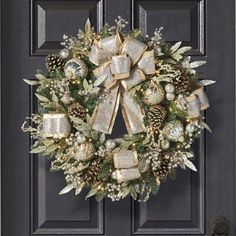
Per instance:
x=181, y=84
x=156, y=116
x=164, y=169
x=55, y=62
x=77, y=110
x=90, y=177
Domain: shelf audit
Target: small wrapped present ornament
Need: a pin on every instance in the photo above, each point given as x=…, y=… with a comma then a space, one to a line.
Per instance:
x=124, y=175
x=202, y=97
x=193, y=106
x=56, y=125
x=124, y=159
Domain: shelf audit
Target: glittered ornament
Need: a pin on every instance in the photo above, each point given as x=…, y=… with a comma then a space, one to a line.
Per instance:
x=90, y=176
x=75, y=68
x=54, y=62
x=174, y=130
x=64, y=53
x=155, y=94
x=156, y=116
x=143, y=165
x=77, y=110
x=181, y=84
x=84, y=151
x=56, y=125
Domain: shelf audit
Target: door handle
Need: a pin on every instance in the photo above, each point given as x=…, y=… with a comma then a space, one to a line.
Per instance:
x=219, y=226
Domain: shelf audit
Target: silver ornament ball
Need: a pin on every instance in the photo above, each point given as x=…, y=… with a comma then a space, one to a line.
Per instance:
x=170, y=96
x=110, y=144
x=64, y=53
x=75, y=68
x=169, y=88
x=81, y=138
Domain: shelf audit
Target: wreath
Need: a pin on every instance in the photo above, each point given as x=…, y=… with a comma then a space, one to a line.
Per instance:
x=160, y=96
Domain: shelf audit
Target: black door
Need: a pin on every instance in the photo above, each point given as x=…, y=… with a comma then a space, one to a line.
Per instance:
x=186, y=206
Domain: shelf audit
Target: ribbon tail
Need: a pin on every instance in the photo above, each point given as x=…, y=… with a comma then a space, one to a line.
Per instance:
x=132, y=114
x=104, y=115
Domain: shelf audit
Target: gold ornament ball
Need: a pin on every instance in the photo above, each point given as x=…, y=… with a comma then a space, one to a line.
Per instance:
x=154, y=95
x=174, y=130
x=75, y=68
x=84, y=151
x=165, y=144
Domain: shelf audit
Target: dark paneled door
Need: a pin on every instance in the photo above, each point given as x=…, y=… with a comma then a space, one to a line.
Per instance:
x=30, y=201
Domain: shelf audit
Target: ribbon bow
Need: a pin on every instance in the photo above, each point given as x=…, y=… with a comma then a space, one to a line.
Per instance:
x=122, y=64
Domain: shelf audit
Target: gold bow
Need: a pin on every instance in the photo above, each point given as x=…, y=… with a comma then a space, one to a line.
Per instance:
x=122, y=64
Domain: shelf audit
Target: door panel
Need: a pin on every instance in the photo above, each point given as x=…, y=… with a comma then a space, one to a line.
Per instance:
x=185, y=206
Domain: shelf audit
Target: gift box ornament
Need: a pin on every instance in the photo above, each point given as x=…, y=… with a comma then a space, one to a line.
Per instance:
x=202, y=97
x=124, y=159
x=123, y=175
x=193, y=106
x=56, y=125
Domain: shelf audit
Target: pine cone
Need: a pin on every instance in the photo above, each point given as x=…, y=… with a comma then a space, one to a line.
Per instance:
x=93, y=170
x=163, y=170
x=156, y=116
x=181, y=84
x=54, y=62
x=77, y=110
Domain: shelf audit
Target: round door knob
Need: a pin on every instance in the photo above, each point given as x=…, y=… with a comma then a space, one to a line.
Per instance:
x=220, y=226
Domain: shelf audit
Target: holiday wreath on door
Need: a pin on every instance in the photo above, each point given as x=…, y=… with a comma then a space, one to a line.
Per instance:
x=161, y=98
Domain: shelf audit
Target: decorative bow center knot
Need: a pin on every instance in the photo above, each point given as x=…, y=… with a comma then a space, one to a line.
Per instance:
x=122, y=64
